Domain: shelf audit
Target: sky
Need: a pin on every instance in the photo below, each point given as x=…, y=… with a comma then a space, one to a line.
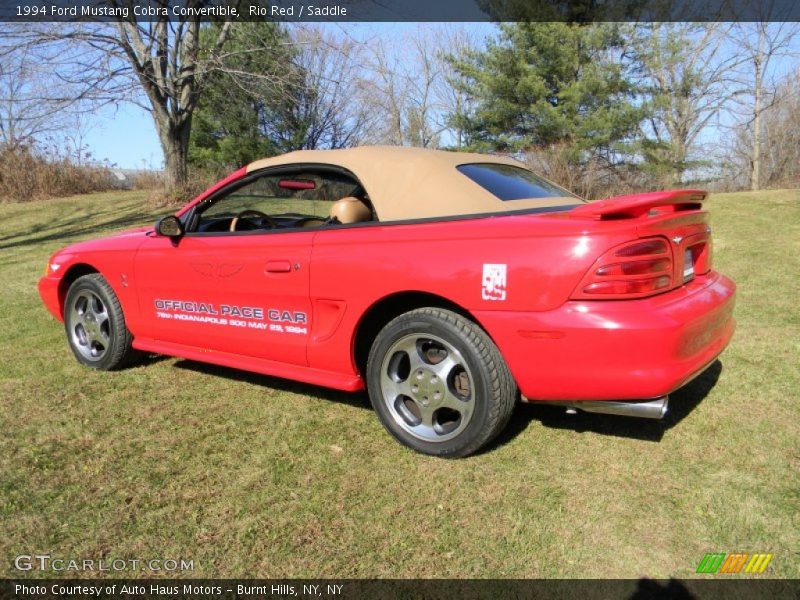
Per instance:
x=125, y=136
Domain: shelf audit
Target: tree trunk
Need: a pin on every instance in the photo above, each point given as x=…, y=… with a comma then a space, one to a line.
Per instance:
x=679, y=154
x=755, y=161
x=175, y=175
x=755, y=157
x=175, y=145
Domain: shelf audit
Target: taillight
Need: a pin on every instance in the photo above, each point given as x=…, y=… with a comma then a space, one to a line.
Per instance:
x=642, y=267
x=702, y=255
x=633, y=270
x=652, y=246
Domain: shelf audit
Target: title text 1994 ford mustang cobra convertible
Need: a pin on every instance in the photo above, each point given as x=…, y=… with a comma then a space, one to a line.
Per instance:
x=447, y=284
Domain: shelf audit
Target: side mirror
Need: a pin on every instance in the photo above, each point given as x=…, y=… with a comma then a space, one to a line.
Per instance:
x=169, y=226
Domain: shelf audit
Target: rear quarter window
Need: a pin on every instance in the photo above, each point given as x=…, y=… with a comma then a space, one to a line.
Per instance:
x=508, y=182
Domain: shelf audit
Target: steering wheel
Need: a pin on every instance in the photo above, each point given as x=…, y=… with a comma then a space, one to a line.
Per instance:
x=253, y=213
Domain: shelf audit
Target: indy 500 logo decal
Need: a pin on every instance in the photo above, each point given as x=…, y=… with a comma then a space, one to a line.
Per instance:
x=494, y=282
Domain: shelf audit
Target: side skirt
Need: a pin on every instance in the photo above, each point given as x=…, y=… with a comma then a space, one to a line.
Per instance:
x=329, y=379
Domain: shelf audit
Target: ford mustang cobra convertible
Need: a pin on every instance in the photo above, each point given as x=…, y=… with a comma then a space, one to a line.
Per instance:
x=448, y=285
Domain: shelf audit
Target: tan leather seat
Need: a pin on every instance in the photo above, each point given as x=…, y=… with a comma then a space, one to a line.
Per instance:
x=350, y=210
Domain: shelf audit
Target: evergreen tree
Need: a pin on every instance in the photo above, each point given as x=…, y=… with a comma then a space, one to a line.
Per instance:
x=540, y=84
x=232, y=122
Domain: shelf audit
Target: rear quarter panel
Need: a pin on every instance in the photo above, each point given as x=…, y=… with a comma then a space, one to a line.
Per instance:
x=354, y=268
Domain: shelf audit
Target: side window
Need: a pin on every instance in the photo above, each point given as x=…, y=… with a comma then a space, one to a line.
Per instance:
x=285, y=201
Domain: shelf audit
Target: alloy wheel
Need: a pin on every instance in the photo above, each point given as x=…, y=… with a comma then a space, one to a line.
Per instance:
x=428, y=388
x=90, y=326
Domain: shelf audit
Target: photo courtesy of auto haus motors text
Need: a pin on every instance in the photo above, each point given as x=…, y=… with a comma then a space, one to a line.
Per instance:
x=139, y=590
x=251, y=317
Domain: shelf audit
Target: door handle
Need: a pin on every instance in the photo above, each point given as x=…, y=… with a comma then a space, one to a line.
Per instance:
x=278, y=266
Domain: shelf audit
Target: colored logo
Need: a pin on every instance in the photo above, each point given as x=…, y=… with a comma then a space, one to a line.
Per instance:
x=740, y=562
x=494, y=282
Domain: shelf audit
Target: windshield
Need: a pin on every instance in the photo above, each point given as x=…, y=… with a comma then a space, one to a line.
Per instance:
x=508, y=182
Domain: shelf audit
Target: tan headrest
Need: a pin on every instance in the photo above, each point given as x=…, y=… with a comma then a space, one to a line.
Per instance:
x=350, y=210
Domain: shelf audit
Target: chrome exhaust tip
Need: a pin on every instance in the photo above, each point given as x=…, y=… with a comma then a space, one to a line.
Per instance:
x=647, y=409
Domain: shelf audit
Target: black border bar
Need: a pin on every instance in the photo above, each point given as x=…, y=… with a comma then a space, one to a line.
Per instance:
x=307, y=11
x=714, y=588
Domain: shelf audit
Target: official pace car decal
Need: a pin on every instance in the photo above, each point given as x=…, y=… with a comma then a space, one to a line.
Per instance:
x=231, y=315
x=494, y=282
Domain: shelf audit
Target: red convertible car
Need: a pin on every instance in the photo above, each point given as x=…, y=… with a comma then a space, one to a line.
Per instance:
x=448, y=285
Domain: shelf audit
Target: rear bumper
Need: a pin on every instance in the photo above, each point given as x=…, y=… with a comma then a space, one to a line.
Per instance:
x=617, y=350
x=48, y=291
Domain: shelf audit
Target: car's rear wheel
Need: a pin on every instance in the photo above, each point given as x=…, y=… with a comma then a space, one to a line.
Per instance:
x=95, y=325
x=438, y=383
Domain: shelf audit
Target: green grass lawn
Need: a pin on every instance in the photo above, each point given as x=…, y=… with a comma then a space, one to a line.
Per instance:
x=249, y=475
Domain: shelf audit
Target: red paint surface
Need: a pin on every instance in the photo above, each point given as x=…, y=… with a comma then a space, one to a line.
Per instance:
x=557, y=347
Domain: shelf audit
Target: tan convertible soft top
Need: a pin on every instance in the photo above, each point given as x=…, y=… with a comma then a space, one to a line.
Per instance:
x=413, y=183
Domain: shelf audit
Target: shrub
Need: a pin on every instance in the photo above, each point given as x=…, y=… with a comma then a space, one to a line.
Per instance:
x=199, y=181
x=147, y=180
x=591, y=179
x=25, y=175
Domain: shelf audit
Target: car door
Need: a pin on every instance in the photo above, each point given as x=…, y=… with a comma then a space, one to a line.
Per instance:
x=241, y=292
x=244, y=295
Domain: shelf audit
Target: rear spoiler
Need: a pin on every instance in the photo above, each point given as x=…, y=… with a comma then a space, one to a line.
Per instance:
x=634, y=206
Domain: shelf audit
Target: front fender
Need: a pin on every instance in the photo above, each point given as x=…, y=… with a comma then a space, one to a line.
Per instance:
x=116, y=266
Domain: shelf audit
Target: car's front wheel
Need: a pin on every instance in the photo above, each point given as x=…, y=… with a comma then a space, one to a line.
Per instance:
x=95, y=325
x=438, y=383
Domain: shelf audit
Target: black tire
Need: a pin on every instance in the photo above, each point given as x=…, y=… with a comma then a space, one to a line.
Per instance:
x=491, y=393
x=95, y=325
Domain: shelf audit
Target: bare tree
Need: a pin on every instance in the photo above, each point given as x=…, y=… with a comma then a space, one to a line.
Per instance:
x=161, y=65
x=781, y=131
x=687, y=76
x=166, y=62
x=26, y=112
x=760, y=45
x=325, y=108
x=410, y=82
x=385, y=87
x=74, y=134
x=779, y=141
x=421, y=126
x=451, y=89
